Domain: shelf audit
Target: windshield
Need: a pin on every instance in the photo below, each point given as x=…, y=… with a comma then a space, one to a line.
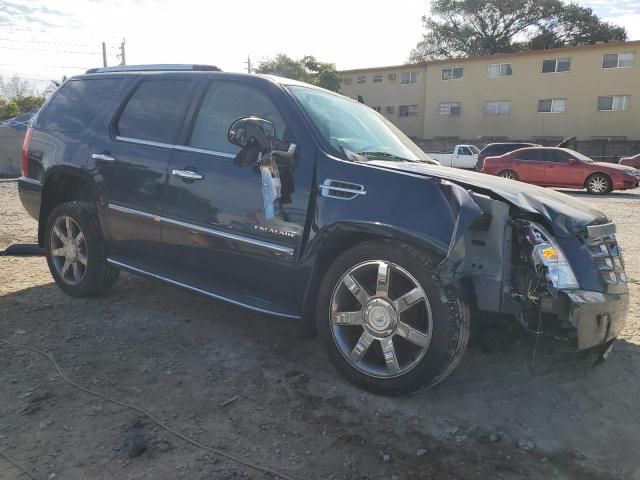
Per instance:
x=578, y=155
x=351, y=126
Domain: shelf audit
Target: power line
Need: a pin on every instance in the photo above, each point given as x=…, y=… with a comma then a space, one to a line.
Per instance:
x=48, y=43
x=46, y=66
x=48, y=50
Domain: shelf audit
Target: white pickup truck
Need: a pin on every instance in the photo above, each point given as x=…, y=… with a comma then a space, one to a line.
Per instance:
x=463, y=156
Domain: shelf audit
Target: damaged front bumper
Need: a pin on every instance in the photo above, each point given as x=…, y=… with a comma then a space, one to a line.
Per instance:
x=597, y=317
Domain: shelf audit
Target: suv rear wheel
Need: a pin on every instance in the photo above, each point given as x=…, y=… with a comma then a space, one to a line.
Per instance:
x=76, y=252
x=388, y=323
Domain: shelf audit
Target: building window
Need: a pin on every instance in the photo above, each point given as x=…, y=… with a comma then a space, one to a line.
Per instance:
x=377, y=78
x=362, y=79
x=618, y=60
x=552, y=105
x=408, y=110
x=450, y=109
x=345, y=80
x=409, y=77
x=613, y=103
x=377, y=109
x=497, y=107
x=452, y=73
x=556, y=65
x=500, y=70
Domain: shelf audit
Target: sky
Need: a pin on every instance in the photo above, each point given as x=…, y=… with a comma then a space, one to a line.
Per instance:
x=41, y=39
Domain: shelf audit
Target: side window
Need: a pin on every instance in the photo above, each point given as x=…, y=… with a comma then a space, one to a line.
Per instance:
x=223, y=103
x=464, y=151
x=556, y=156
x=156, y=110
x=529, y=155
x=76, y=103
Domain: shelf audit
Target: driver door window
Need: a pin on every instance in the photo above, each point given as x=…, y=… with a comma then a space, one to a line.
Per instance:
x=464, y=151
x=223, y=103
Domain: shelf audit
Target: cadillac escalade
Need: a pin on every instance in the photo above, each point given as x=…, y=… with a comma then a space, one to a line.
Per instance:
x=297, y=202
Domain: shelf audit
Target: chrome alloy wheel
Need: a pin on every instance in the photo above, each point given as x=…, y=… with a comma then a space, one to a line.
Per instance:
x=508, y=175
x=381, y=319
x=68, y=250
x=598, y=184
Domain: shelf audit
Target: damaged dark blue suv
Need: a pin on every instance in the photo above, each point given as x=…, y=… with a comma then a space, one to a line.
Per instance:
x=298, y=202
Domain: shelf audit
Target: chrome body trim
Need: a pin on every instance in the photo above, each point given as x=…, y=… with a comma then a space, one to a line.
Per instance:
x=327, y=186
x=148, y=143
x=185, y=148
x=103, y=157
x=209, y=231
x=30, y=180
x=596, y=231
x=196, y=289
x=187, y=174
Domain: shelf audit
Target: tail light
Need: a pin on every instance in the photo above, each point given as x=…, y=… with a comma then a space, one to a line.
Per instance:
x=24, y=161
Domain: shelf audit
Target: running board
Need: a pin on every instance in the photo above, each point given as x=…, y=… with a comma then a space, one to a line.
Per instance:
x=285, y=313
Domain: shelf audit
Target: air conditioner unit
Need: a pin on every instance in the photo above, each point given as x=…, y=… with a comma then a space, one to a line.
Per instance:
x=390, y=109
x=392, y=76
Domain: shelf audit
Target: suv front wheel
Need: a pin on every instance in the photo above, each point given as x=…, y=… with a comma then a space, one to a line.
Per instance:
x=388, y=323
x=76, y=252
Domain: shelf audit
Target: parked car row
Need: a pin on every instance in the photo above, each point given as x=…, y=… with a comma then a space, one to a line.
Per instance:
x=545, y=166
x=561, y=167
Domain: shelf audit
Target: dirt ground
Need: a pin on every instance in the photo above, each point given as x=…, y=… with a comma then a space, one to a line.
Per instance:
x=241, y=382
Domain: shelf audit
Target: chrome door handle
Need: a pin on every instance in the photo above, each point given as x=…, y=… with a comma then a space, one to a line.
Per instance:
x=187, y=174
x=105, y=157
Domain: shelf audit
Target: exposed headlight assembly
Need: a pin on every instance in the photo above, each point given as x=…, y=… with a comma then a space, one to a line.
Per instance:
x=547, y=254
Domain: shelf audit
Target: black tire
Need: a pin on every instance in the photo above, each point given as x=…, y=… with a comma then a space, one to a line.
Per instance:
x=450, y=321
x=598, y=184
x=97, y=276
x=509, y=174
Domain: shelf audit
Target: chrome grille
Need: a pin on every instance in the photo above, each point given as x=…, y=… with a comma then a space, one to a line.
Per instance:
x=608, y=258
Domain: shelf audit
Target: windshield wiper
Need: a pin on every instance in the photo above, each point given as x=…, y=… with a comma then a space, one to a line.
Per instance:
x=386, y=155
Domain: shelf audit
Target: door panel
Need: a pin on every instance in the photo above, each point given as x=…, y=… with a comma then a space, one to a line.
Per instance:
x=223, y=227
x=131, y=164
x=530, y=166
x=561, y=172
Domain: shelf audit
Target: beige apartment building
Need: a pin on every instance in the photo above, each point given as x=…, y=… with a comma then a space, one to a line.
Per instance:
x=588, y=91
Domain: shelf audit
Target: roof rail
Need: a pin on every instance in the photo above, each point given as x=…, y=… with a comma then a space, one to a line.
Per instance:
x=156, y=68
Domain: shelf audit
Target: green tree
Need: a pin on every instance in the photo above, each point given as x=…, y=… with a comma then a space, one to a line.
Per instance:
x=458, y=28
x=307, y=69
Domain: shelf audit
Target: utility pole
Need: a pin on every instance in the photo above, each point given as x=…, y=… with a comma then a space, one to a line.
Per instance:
x=122, y=56
x=248, y=64
x=104, y=54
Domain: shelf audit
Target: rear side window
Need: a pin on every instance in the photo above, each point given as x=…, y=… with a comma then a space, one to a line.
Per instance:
x=531, y=155
x=156, y=110
x=76, y=103
x=225, y=102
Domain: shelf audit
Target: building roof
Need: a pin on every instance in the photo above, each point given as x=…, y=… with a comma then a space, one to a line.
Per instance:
x=550, y=51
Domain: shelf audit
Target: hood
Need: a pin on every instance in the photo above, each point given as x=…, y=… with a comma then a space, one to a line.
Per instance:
x=613, y=166
x=566, y=215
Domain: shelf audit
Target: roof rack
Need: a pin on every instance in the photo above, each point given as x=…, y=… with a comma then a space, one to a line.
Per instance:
x=156, y=68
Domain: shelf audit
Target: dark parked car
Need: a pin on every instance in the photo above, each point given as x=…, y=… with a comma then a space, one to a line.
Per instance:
x=633, y=161
x=497, y=149
x=298, y=202
x=561, y=167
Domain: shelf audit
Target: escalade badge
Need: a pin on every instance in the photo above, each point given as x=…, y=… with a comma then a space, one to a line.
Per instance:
x=275, y=231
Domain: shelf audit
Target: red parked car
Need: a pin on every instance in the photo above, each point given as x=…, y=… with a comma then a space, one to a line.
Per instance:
x=631, y=161
x=561, y=167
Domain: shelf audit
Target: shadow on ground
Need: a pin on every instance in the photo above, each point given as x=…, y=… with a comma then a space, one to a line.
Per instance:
x=504, y=415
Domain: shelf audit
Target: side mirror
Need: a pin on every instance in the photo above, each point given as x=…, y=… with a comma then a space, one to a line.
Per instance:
x=256, y=136
x=253, y=132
